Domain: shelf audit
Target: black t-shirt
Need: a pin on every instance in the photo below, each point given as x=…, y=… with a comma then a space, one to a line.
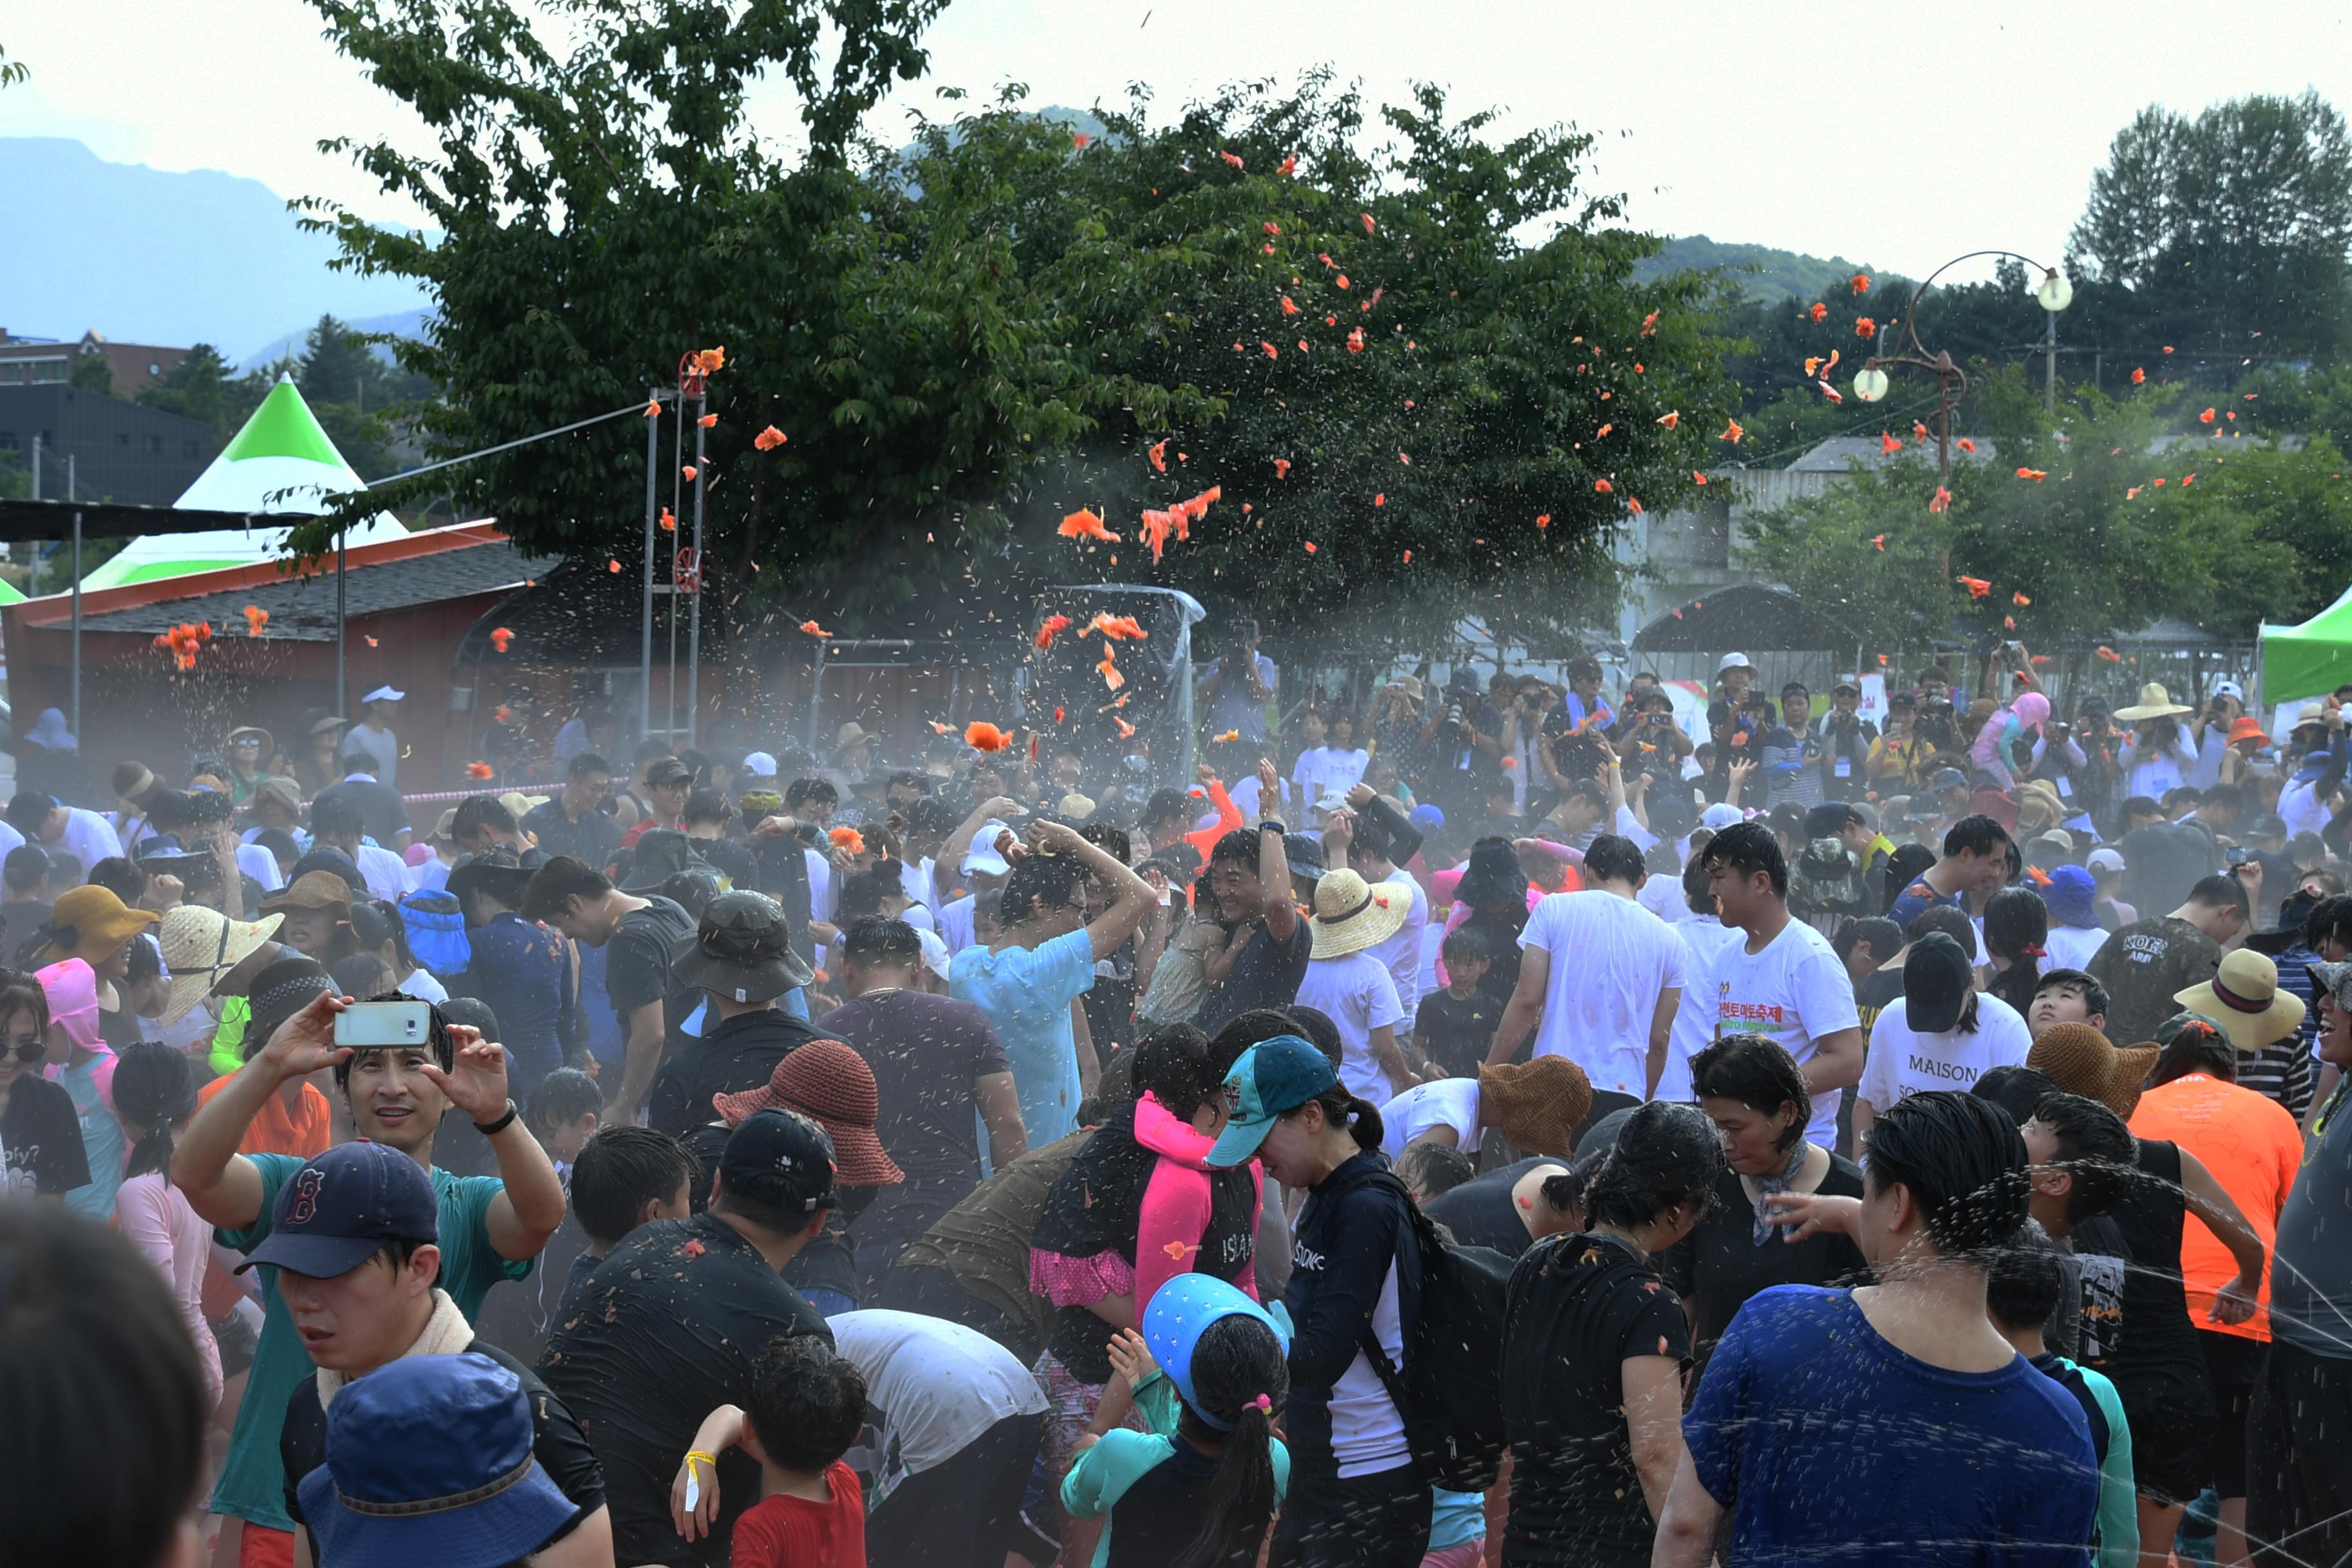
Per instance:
x=928, y=1054
x=731, y=1058
x=638, y=962
x=1502, y=934
x=668, y=1329
x=2143, y=966
x=1480, y=1211
x=828, y=1261
x=1266, y=973
x=557, y=1443
x=41, y=1134
x=1155, y=1521
x=1874, y=993
x=593, y=840
x=1721, y=1264
x=2151, y=1353
x=382, y=811
x=1579, y=1307
x=1455, y=1032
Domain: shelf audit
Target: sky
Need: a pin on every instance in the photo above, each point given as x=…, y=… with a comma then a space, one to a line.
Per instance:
x=1894, y=136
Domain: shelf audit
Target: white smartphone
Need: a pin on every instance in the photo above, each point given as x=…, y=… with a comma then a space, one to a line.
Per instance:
x=384, y=1025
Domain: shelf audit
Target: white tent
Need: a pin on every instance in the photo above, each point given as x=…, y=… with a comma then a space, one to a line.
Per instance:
x=281, y=462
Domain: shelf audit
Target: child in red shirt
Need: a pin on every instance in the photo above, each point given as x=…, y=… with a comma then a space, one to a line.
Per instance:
x=806, y=1410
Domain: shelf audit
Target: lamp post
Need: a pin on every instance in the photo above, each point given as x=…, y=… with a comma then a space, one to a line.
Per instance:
x=2053, y=294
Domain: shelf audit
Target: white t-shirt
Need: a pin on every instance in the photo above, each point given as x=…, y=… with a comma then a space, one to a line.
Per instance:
x=820, y=880
x=386, y=874
x=1329, y=768
x=1448, y=1102
x=1795, y=991
x=2301, y=808
x=88, y=838
x=1360, y=997
x=1402, y=953
x=2072, y=947
x=1903, y=1061
x=1704, y=938
x=1663, y=896
x=1244, y=794
x=938, y=1386
x=1612, y=959
x=954, y=923
x=1432, y=941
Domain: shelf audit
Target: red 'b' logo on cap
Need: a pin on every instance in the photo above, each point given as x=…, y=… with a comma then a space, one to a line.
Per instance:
x=306, y=1197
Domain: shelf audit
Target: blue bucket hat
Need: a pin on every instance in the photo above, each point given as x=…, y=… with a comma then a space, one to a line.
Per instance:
x=1180, y=1313
x=429, y=1460
x=1271, y=1078
x=437, y=932
x=2068, y=897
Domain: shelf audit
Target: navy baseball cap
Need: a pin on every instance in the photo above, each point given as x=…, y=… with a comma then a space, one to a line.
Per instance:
x=1270, y=1077
x=339, y=1210
x=429, y=1460
x=780, y=1158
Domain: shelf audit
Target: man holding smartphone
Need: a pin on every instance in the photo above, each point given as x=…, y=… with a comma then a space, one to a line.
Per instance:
x=490, y=1227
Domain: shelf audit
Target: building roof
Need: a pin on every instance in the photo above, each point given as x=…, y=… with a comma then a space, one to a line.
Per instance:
x=302, y=609
x=1834, y=455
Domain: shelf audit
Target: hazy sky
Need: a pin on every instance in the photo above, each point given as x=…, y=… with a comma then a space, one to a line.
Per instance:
x=1897, y=136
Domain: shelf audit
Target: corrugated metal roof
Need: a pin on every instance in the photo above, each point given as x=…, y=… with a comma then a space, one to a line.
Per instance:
x=302, y=609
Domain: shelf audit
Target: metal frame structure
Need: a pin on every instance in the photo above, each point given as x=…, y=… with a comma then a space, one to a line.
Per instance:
x=1951, y=381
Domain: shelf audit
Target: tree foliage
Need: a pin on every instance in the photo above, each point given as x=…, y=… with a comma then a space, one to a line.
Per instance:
x=965, y=340
x=2232, y=225
x=2131, y=522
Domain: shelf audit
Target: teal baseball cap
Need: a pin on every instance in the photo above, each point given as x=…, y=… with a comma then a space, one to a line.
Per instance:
x=1272, y=1077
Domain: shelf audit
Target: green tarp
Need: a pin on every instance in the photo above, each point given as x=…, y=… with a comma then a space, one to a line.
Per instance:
x=2310, y=660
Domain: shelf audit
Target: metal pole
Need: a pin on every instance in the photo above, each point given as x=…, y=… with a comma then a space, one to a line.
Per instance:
x=73, y=489
x=645, y=643
x=702, y=576
x=677, y=499
x=36, y=466
x=77, y=624
x=2049, y=371
x=342, y=683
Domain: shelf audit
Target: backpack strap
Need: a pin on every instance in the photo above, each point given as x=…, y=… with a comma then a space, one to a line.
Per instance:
x=1391, y=1378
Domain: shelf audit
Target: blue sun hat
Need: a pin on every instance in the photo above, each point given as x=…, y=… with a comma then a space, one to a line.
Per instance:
x=1270, y=1077
x=429, y=1460
x=1180, y=1313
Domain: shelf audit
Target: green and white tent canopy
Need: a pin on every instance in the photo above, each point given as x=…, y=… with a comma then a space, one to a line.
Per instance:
x=281, y=462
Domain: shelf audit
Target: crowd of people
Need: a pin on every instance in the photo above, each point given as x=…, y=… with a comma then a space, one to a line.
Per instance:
x=1483, y=1124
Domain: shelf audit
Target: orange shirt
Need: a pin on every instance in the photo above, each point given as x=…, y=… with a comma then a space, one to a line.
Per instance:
x=2253, y=1146
x=306, y=1131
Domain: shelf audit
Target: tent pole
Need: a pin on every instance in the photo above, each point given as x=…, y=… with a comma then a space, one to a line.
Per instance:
x=701, y=576
x=645, y=641
x=342, y=682
x=77, y=624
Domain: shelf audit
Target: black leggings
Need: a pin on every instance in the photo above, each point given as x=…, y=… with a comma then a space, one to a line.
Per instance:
x=1370, y=1521
x=962, y=1513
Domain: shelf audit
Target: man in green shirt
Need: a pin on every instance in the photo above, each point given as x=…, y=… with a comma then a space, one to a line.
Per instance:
x=491, y=1227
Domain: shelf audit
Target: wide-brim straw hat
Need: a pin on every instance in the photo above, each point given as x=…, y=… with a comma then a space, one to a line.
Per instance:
x=2155, y=702
x=2244, y=998
x=1351, y=914
x=1538, y=1105
x=200, y=945
x=2081, y=1060
x=269, y=742
x=89, y=922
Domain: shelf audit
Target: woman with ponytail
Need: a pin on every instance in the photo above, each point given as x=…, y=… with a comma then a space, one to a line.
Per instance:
x=1593, y=1349
x=1200, y=1489
x=154, y=1095
x=1360, y=1500
x=2017, y=939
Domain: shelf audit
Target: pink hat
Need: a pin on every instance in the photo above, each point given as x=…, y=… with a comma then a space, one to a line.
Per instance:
x=417, y=855
x=2031, y=710
x=71, y=986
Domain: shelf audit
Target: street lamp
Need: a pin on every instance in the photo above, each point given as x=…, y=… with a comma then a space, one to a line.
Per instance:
x=2053, y=294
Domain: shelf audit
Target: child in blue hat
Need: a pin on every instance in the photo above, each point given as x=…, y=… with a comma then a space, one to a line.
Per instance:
x=1202, y=1494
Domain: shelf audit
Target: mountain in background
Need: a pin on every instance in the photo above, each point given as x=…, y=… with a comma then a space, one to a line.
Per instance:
x=145, y=256
x=1762, y=273
x=400, y=324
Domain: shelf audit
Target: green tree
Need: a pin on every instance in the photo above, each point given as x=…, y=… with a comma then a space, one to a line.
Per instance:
x=90, y=373
x=2229, y=227
x=203, y=386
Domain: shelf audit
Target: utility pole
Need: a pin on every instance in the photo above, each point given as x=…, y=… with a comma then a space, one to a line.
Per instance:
x=2049, y=374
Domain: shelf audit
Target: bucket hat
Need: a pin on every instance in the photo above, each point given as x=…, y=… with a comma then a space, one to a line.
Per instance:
x=662, y=853
x=830, y=1084
x=1493, y=876
x=743, y=951
x=1538, y=1105
x=2080, y=1060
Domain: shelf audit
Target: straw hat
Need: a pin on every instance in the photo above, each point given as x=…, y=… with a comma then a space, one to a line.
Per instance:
x=1351, y=915
x=2080, y=1060
x=2039, y=806
x=200, y=945
x=830, y=1084
x=2244, y=998
x=311, y=891
x=257, y=734
x=2155, y=702
x=89, y=922
x=1538, y=1105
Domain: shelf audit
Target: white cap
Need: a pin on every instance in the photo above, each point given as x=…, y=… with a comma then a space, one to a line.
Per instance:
x=384, y=694
x=1721, y=815
x=935, y=952
x=759, y=765
x=2229, y=688
x=2104, y=858
x=982, y=858
x=1733, y=661
x=1333, y=800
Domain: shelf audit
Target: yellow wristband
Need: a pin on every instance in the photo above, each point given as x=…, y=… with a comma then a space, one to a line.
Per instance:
x=710, y=1460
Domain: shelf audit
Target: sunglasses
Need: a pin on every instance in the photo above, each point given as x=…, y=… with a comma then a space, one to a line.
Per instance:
x=32, y=1053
